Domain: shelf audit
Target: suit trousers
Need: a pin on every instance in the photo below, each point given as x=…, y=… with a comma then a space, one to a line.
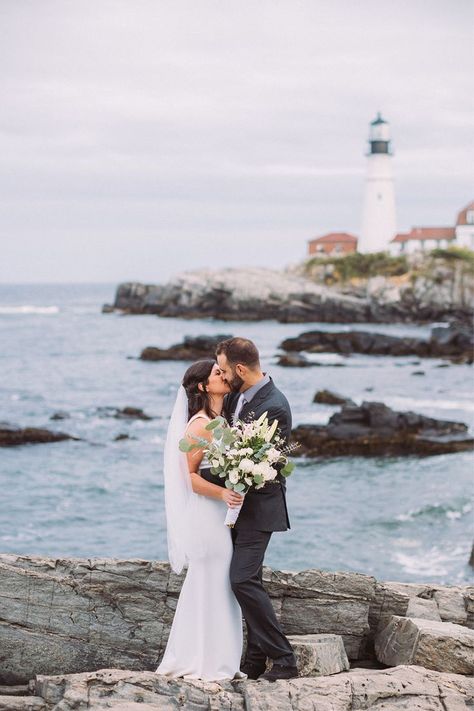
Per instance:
x=264, y=635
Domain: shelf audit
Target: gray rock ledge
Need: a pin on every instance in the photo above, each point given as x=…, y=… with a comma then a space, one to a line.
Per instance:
x=403, y=688
x=71, y=615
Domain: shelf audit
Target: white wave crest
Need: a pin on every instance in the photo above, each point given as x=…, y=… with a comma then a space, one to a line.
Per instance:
x=29, y=309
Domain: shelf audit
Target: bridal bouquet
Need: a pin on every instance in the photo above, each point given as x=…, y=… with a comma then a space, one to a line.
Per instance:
x=245, y=455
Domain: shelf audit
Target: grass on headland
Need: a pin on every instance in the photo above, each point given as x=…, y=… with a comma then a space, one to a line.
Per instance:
x=453, y=253
x=364, y=266
x=357, y=265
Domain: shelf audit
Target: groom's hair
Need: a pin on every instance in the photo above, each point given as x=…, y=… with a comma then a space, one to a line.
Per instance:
x=240, y=350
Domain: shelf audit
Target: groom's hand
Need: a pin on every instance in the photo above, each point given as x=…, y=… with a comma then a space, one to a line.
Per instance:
x=232, y=498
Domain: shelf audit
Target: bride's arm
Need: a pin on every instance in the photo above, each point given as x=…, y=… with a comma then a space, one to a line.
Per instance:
x=194, y=457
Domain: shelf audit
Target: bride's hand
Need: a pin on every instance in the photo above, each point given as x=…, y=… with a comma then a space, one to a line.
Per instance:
x=232, y=498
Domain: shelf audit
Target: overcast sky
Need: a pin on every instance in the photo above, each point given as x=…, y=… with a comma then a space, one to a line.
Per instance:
x=140, y=138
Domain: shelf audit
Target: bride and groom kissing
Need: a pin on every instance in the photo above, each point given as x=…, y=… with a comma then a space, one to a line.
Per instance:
x=224, y=565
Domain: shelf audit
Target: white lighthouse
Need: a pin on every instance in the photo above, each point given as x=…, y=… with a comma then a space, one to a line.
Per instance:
x=378, y=219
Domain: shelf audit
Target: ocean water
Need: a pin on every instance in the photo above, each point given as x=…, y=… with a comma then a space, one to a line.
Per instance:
x=406, y=518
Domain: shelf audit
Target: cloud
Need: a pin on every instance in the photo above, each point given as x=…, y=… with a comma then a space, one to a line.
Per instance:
x=194, y=123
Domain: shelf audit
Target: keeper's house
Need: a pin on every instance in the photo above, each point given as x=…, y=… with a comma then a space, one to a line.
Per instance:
x=334, y=243
x=427, y=238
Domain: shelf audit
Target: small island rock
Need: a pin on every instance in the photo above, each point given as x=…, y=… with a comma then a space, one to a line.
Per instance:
x=373, y=429
x=326, y=397
x=13, y=436
x=454, y=342
x=192, y=348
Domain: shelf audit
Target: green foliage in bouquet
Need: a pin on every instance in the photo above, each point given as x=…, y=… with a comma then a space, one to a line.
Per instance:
x=246, y=454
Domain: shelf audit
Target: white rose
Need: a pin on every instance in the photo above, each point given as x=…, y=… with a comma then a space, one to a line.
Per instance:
x=248, y=480
x=259, y=468
x=233, y=476
x=247, y=466
x=273, y=454
x=266, y=471
x=270, y=473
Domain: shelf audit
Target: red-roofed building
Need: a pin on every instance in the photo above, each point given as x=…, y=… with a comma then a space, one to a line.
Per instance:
x=334, y=243
x=422, y=238
x=428, y=238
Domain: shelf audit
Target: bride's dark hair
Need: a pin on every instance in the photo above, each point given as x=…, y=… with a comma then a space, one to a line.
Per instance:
x=198, y=373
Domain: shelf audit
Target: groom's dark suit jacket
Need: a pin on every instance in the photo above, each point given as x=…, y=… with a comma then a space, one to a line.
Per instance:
x=264, y=509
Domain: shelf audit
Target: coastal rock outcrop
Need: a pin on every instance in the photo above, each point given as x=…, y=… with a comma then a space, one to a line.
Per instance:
x=78, y=615
x=415, y=287
x=318, y=654
x=403, y=688
x=433, y=644
x=455, y=341
x=242, y=295
x=192, y=348
x=426, y=290
x=373, y=429
x=13, y=436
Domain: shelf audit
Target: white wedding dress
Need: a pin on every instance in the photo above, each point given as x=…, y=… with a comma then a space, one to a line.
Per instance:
x=205, y=640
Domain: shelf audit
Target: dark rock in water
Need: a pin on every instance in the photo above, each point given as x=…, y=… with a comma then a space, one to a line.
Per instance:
x=126, y=413
x=299, y=360
x=471, y=557
x=373, y=429
x=192, y=348
x=132, y=413
x=294, y=360
x=457, y=337
x=418, y=372
x=12, y=436
x=326, y=397
x=452, y=342
x=108, y=309
x=120, y=437
x=60, y=415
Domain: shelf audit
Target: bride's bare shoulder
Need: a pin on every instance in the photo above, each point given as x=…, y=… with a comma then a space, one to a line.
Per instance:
x=196, y=426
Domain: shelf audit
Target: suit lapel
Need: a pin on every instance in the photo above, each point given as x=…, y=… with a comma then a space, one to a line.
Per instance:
x=257, y=400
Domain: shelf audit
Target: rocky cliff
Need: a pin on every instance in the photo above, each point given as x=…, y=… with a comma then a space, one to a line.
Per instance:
x=428, y=291
x=418, y=287
x=87, y=633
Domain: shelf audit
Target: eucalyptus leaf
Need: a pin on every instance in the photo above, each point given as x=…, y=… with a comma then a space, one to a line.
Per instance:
x=185, y=446
x=258, y=479
x=228, y=484
x=227, y=437
x=214, y=423
x=287, y=469
x=239, y=487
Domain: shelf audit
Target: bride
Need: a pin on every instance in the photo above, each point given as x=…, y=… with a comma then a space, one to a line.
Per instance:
x=205, y=640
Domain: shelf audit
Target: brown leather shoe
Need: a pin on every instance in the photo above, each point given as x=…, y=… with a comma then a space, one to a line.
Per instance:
x=279, y=672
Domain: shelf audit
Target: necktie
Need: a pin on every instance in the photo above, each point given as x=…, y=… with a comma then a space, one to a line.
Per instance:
x=240, y=403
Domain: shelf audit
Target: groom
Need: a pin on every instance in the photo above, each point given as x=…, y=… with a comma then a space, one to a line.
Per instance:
x=264, y=511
